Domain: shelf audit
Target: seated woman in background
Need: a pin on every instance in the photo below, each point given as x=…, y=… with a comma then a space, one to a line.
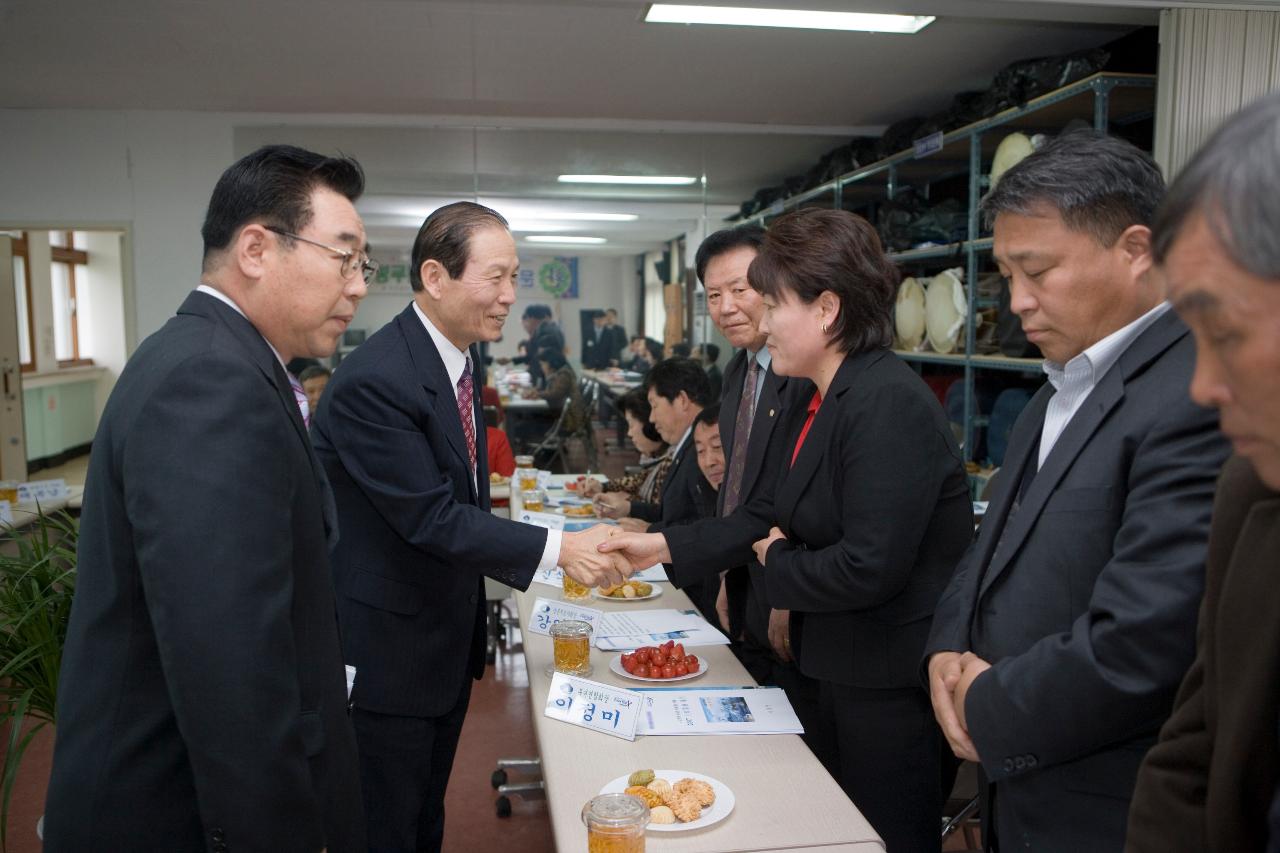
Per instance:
x=655, y=462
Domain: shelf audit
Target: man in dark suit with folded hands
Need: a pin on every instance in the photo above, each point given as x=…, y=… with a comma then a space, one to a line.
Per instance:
x=202, y=704
x=401, y=435
x=1058, y=645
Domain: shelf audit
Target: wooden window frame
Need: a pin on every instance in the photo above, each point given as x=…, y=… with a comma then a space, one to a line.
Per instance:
x=72, y=257
x=20, y=251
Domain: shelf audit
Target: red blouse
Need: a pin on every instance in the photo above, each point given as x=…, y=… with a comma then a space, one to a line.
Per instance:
x=814, y=403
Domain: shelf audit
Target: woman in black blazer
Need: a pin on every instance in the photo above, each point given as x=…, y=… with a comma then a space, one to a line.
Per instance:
x=869, y=514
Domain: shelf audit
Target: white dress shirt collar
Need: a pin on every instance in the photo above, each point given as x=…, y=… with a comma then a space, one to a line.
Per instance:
x=229, y=302
x=1074, y=381
x=455, y=360
x=1095, y=361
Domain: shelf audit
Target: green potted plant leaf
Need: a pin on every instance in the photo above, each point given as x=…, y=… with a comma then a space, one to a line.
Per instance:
x=37, y=582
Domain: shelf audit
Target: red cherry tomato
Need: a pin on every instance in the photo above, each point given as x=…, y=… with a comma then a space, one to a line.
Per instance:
x=678, y=651
x=668, y=671
x=641, y=670
x=691, y=663
x=642, y=655
x=681, y=669
x=628, y=662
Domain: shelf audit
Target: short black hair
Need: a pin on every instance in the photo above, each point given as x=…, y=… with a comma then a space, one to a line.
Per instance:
x=681, y=349
x=273, y=186
x=1232, y=181
x=537, y=311
x=636, y=403
x=749, y=235
x=552, y=357
x=597, y=314
x=812, y=250
x=669, y=377
x=709, y=416
x=313, y=371
x=445, y=237
x=712, y=352
x=1099, y=184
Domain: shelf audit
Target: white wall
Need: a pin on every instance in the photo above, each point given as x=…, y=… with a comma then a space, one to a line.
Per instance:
x=101, y=297
x=152, y=173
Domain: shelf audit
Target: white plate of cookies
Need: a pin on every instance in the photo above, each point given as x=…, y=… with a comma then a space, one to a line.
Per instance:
x=686, y=801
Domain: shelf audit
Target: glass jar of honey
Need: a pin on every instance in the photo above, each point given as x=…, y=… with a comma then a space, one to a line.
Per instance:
x=615, y=823
x=571, y=647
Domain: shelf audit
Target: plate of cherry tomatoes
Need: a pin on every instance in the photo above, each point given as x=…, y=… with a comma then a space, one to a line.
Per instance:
x=667, y=662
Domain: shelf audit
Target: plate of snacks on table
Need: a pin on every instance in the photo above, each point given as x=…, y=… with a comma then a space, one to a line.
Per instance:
x=499, y=486
x=678, y=800
x=577, y=508
x=628, y=591
x=667, y=662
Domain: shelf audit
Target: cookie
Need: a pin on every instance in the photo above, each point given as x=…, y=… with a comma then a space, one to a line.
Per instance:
x=651, y=798
x=703, y=792
x=661, y=814
x=685, y=807
x=660, y=786
x=640, y=777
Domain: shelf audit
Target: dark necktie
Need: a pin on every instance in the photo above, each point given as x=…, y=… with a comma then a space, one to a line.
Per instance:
x=466, y=411
x=741, y=435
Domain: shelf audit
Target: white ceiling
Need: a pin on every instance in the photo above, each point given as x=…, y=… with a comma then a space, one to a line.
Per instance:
x=441, y=100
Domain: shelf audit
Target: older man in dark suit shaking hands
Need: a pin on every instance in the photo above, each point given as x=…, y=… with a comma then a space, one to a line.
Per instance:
x=401, y=435
x=1057, y=647
x=202, y=704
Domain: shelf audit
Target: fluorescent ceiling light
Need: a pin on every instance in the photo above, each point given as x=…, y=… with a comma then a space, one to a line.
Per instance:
x=552, y=238
x=553, y=216
x=665, y=180
x=671, y=13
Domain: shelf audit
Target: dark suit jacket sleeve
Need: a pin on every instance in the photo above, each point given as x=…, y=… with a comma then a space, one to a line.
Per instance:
x=379, y=433
x=888, y=490
x=950, y=629
x=1122, y=660
x=208, y=493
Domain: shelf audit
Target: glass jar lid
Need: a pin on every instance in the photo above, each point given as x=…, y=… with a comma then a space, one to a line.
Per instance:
x=615, y=810
x=571, y=628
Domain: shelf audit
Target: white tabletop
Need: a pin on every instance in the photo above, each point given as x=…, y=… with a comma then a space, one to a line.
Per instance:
x=785, y=799
x=519, y=404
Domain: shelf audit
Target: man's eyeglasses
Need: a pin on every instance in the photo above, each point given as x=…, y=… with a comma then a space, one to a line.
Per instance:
x=352, y=259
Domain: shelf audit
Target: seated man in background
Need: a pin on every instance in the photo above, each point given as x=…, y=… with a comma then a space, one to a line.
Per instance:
x=1057, y=647
x=1210, y=784
x=314, y=379
x=706, y=441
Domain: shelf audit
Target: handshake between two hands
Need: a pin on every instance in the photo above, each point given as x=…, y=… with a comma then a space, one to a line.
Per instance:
x=950, y=676
x=604, y=555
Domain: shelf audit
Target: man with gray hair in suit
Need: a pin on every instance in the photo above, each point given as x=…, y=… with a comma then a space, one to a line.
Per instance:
x=1210, y=784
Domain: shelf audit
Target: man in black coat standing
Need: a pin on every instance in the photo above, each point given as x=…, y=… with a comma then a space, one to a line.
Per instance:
x=401, y=434
x=202, y=703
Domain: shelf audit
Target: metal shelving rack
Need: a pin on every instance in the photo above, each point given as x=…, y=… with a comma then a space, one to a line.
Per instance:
x=1105, y=98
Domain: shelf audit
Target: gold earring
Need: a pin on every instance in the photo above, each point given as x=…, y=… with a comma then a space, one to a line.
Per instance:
x=824, y=328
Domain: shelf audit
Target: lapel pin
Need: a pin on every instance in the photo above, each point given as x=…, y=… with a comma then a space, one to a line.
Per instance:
x=771, y=413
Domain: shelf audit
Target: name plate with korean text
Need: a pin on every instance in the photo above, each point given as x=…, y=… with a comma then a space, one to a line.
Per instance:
x=546, y=613
x=593, y=705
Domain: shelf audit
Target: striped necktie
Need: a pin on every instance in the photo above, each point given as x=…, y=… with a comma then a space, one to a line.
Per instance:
x=300, y=395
